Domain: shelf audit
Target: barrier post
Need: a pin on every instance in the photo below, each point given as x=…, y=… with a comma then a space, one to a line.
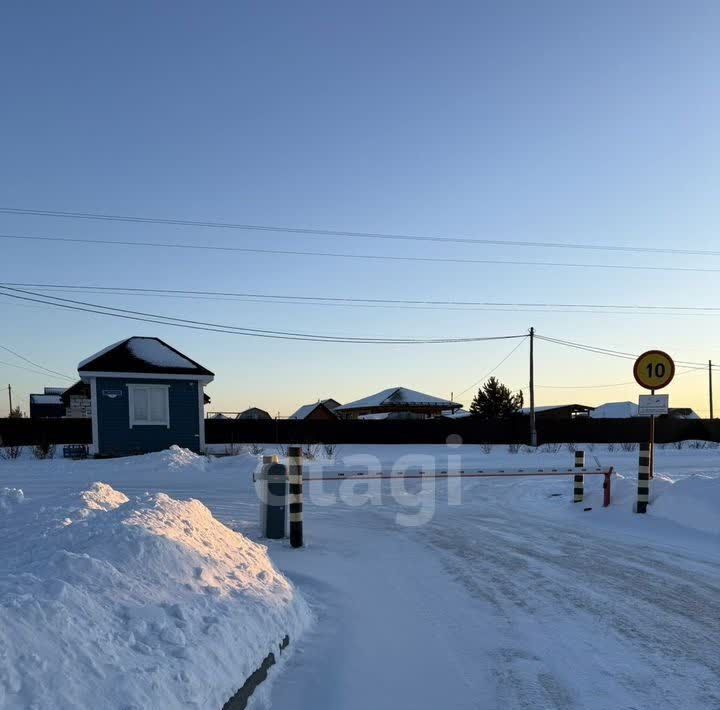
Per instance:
x=579, y=485
x=643, y=494
x=295, y=497
x=277, y=496
x=263, y=490
x=606, y=488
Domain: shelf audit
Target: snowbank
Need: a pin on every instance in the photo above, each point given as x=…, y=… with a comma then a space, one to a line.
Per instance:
x=176, y=458
x=694, y=502
x=143, y=603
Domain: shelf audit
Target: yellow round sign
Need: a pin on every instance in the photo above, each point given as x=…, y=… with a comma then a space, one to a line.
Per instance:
x=654, y=370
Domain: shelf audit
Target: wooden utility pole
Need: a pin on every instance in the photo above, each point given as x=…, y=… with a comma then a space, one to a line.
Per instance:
x=533, y=432
x=710, y=387
x=10, y=399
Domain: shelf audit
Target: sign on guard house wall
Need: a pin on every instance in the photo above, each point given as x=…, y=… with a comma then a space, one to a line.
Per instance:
x=653, y=405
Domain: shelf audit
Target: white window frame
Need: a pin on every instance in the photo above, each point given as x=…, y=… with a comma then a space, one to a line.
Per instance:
x=132, y=388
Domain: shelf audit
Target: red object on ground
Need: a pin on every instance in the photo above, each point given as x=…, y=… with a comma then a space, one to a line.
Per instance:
x=606, y=488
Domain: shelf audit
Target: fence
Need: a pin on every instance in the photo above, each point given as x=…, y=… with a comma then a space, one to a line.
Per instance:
x=25, y=432
x=470, y=430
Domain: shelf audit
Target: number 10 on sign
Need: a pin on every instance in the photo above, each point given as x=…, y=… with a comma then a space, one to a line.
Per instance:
x=654, y=370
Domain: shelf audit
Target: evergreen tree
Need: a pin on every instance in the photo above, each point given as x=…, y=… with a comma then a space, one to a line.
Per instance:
x=495, y=401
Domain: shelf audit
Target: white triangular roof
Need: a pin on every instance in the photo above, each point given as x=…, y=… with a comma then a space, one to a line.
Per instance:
x=398, y=396
x=615, y=410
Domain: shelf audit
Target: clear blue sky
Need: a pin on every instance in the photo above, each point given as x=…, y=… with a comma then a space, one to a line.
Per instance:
x=563, y=121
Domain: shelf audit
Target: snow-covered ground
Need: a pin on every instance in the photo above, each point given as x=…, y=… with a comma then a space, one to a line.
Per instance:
x=426, y=593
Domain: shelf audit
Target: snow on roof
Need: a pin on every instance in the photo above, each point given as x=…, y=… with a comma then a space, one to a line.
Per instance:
x=46, y=399
x=305, y=410
x=141, y=354
x=683, y=413
x=459, y=414
x=550, y=407
x=398, y=397
x=157, y=353
x=615, y=410
x=54, y=390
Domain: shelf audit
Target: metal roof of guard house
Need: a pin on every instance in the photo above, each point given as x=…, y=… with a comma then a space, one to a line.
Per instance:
x=143, y=355
x=398, y=399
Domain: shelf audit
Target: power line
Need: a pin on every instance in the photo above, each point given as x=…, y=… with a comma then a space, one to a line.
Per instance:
x=611, y=353
x=129, y=314
x=35, y=364
x=352, y=234
x=29, y=369
x=255, y=297
x=490, y=372
x=615, y=384
x=370, y=257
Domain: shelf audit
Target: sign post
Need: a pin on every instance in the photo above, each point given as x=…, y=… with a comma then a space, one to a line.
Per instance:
x=653, y=370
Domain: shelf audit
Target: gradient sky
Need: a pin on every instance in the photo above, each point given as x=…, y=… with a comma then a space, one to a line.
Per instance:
x=584, y=122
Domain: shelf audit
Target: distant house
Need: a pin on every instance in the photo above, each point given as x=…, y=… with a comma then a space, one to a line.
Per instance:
x=48, y=405
x=145, y=396
x=615, y=410
x=457, y=414
x=254, y=413
x=330, y=403
x=76, y=400
x=53, y=390
x=682, y=413
x=397, y=403
x=319, y=410
x=561, y=411
x=626, y=410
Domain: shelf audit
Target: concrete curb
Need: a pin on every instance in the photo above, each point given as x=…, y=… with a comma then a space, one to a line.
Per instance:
x=240, y=700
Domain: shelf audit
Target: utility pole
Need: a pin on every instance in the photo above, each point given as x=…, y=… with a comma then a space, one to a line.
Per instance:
x=533, y=433
x=10, y=399
x=710, y=387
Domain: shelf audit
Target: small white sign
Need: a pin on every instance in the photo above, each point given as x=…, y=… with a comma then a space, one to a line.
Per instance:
x=653, y=405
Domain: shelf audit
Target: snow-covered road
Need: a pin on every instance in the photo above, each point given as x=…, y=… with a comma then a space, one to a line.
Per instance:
x=569, y=609
x=489, y=607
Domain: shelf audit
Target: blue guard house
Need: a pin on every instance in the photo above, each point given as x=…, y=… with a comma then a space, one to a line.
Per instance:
x=145, y=396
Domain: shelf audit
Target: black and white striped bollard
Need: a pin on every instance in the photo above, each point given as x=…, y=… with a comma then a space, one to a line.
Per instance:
x=643, y=494
x=579, y=485
x=295, y=496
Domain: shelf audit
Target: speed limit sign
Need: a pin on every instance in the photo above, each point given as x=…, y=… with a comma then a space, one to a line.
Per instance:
x=654, y=370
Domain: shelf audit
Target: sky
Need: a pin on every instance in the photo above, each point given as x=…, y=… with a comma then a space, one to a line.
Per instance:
x=591, y=123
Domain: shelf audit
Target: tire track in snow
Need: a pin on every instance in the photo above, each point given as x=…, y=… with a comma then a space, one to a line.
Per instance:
x=648, y=627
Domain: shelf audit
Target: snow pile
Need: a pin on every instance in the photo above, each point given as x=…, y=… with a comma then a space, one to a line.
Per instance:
x=177, y=459
x=9, y=497
x=694, y=502
x=144, y=603
x=100, y=496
